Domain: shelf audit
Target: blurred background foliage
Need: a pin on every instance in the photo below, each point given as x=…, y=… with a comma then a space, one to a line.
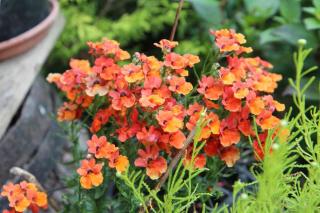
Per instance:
x=271, y=27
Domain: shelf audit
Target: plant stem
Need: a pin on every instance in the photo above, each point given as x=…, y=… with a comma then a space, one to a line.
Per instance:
x=176, y=159
x=176, y=20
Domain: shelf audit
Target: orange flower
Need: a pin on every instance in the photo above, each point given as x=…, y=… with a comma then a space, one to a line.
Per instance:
x=228, y=41
x=155, y=165
x=210, y=104
x=168, y=121
x=229, y=137
x=267, y=121
x=179, y=85
x=106, y=68
x=83, y=65
x=212, y=147
x=214, y=123
x=101, y=118
x=24, y=195
x=101, y=148
x=37, y=198
x=166, y=45
x=230, y=155
x=211, y=88
x=122, y=99
x=199, y=161
x=121, y=163
x=151, y=100
x=19, y=202
x=69, y=112
x=143, y=101
x=231, y=103
x=212, y=127
x=194, y=113
x=226, y=76
x=175, y=61
x=151, y=66
x=150, y=136
x=245, y=127
x=9, y=189
x=156, y=168
x=265, y=83
x=191, y=59
x=129, y=126
x=132, y=73
x=90, y=172
x=108, y=48
x=256, y=105
x=240, y=90
x=9, y=211
x=152, y=82
x=177, y=139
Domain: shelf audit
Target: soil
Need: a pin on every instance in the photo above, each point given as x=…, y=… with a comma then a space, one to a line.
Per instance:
x=18, y=16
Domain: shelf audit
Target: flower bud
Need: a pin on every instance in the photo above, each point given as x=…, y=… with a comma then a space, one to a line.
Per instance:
x=284, y=123
x=244, y=196
x=275, y=146
x=302, y=42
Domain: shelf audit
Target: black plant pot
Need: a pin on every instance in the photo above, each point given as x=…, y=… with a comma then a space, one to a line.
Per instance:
x=18, y=16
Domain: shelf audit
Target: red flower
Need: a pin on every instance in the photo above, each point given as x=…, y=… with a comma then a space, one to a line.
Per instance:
x=122, y=99
x=230, y=155
x=169, y=121
x=155, y=165
x=179, y=85
x=211, y=88
x=229, y=40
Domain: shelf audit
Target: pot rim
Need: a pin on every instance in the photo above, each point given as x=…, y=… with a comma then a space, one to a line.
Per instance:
x=34, y=30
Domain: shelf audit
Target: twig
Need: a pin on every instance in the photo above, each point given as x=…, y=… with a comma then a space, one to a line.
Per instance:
x=32, y=179
x=175, y=160
x=176, y=20
x=106, y=7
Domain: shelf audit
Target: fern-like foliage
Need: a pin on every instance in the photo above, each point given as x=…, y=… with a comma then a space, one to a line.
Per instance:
x=283, y=183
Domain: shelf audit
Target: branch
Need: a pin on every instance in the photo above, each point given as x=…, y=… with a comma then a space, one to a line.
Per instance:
x=176, y=159
x=32, y=179
x=106, y=7
x=176, y=20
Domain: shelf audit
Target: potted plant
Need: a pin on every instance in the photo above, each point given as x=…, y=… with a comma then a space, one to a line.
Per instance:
x=23, y=23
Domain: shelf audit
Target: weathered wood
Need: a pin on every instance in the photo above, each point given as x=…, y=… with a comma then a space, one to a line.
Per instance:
x=47, y=155
x=26, y=135
x=34, y=142
x=17, y=75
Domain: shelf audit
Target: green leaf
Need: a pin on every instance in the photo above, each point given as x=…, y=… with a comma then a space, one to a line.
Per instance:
x=310, y=10
x=292, y=32
x=312, y=23
x=267, y=36
x=87, y=204
x=312, y=93
x=262, y=9
x=208, y=10
x=316, y=3
x=290, y=10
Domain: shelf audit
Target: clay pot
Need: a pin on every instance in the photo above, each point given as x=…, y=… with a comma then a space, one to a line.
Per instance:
x=27, y=39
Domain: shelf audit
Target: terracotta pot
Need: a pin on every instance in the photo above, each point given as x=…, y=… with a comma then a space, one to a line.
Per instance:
x=30, y=38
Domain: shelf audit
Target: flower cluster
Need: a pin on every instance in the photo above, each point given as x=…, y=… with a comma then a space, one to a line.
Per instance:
x=150, y=101
x=24, y=196
x=100, y=148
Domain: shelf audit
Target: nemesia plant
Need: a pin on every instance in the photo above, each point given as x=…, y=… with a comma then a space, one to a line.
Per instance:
x=150, y=104
x=151, y=101
x=23, y=196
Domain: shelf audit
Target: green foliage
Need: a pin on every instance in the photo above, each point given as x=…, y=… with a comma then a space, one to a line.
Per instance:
x=83, y=24
x=282, y=182
x=181, y=189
